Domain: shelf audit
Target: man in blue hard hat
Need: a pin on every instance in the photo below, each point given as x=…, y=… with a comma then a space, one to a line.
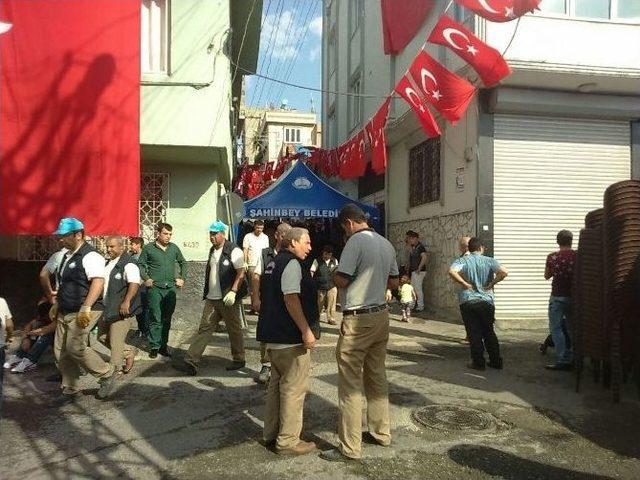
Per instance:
x=224, y=289
x=77, y=308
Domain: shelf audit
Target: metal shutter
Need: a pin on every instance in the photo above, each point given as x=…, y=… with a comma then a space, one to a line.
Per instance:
x=548, y=173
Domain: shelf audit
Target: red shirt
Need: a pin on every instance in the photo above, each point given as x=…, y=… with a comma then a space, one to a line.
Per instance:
x=560, y=264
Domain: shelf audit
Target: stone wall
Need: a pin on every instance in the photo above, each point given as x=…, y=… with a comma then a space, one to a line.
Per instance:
x=440, y=236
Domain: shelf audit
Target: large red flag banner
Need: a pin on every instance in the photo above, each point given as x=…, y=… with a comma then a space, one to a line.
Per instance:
x=500, y=10
x=447, y=92
x=375, y=135
x=69, y=115
x=401, y=20
x=485, y=60
x=419, y=107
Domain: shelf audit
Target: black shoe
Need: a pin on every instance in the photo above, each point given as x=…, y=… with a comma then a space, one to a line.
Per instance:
x=497, y=365
x=56, y=377
x=164, y=351
x=559, y=366
x=475, y=366
x=335, y=455
x=190, y=369
x=235, y=366
x=65, y=399
x=371, y=440
x=543, y=348
x=153, y=353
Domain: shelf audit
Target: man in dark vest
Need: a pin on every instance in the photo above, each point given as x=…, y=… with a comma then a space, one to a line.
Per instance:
x=122, y=303
x=264, y=267
x=323, y=270
x=224, y=289
x=288, y=320
x=77, y=309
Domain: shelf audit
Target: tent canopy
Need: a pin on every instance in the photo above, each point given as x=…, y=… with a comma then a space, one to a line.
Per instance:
x=300, y=193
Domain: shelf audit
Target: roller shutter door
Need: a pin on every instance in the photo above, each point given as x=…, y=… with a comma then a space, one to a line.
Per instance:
x=548, y=173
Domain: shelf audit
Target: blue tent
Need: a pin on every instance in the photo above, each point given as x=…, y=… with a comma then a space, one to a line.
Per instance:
x=300, y=193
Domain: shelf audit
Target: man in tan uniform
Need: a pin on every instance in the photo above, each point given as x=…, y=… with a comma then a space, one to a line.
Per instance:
x=367, y=268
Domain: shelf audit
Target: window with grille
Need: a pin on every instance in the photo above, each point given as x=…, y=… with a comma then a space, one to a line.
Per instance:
x=154, y=202
x=356, y=101
x=424, y=173
x=154, y=36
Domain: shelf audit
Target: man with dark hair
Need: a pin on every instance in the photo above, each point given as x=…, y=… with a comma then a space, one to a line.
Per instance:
x=478, y=274
x=289, y=318
x=367, y=269
x=263, y=287
x=559, y=266
x=224, y=289
x=253, y=244
x=322, y=271
x=77, y=309
x=157, y=264
x=135, y=249
x=417, y=266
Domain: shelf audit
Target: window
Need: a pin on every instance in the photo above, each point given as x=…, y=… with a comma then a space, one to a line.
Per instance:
x=597, y=9
x=356, y=101
x=292, y=135
x=424, y=173
x=154, y=32
x=154, y=202
x=356, y=9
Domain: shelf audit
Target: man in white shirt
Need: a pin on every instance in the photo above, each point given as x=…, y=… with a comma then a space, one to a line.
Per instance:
x=122, y=303
x=78, y=308
x=49, y=270
x=252, y=245
x=323, y=271
x=224, y=289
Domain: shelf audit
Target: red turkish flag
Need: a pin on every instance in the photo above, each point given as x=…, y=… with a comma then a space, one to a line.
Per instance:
x=377, y=142
x=500, y=10
x=343, y=153
x=447, y=92
x=354, y=164
x=333, y=165
x=401, y=20
x=419, y=107
x=485, y=60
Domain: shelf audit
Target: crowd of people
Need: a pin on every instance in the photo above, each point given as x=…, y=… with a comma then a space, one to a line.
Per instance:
x=289, y=294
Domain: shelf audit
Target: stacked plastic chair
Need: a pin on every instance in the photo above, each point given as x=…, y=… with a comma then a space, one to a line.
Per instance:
x=621, y=261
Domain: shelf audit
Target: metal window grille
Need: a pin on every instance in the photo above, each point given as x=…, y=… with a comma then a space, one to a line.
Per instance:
x=154, y=203
x=424, y=176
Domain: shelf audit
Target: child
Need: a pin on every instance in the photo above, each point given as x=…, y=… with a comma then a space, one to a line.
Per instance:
x=408, y=297
x=38, y=336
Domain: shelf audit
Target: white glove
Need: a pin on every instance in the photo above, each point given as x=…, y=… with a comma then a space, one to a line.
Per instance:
x=230, y=298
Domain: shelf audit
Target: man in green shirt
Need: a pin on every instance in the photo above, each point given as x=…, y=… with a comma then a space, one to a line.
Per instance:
x=157, y=264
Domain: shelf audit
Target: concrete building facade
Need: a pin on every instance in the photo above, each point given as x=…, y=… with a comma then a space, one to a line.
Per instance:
x=530, y=157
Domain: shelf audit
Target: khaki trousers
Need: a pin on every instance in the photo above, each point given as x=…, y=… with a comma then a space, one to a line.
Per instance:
x=285, y=396
x=212, y=313
x=361, y=352
x=113, y=335
x=329, y=296
x=71, y=351
x=264, y=355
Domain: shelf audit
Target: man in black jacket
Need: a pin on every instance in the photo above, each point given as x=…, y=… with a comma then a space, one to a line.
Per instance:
x=224, y=289
x=122, y=303
x=288, y=320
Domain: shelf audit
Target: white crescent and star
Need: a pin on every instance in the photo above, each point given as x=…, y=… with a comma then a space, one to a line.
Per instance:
x=448, y=34
x=435, y=94
x=485, y=5
x=509, y=13
x=411, y=93
x=5, y=27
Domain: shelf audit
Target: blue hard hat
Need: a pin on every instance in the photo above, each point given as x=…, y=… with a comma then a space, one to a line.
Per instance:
x=217, y=227
x=68, y=225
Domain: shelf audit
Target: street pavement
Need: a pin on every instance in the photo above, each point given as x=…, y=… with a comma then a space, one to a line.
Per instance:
x=448, y=422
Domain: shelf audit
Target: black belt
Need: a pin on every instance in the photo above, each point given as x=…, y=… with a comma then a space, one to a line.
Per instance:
x=362, y=311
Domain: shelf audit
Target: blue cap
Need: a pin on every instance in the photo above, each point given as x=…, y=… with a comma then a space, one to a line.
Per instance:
x=68, y=225
x=217, y=227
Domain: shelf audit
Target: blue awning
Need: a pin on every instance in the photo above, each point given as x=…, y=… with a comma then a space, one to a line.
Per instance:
x=300, y=193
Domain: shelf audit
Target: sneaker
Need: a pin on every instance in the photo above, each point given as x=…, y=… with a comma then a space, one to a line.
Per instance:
x=153, y=353
x=335, y=455
x=106, y=386
x=24, y=366
x=12, y=361
x=265, y=374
